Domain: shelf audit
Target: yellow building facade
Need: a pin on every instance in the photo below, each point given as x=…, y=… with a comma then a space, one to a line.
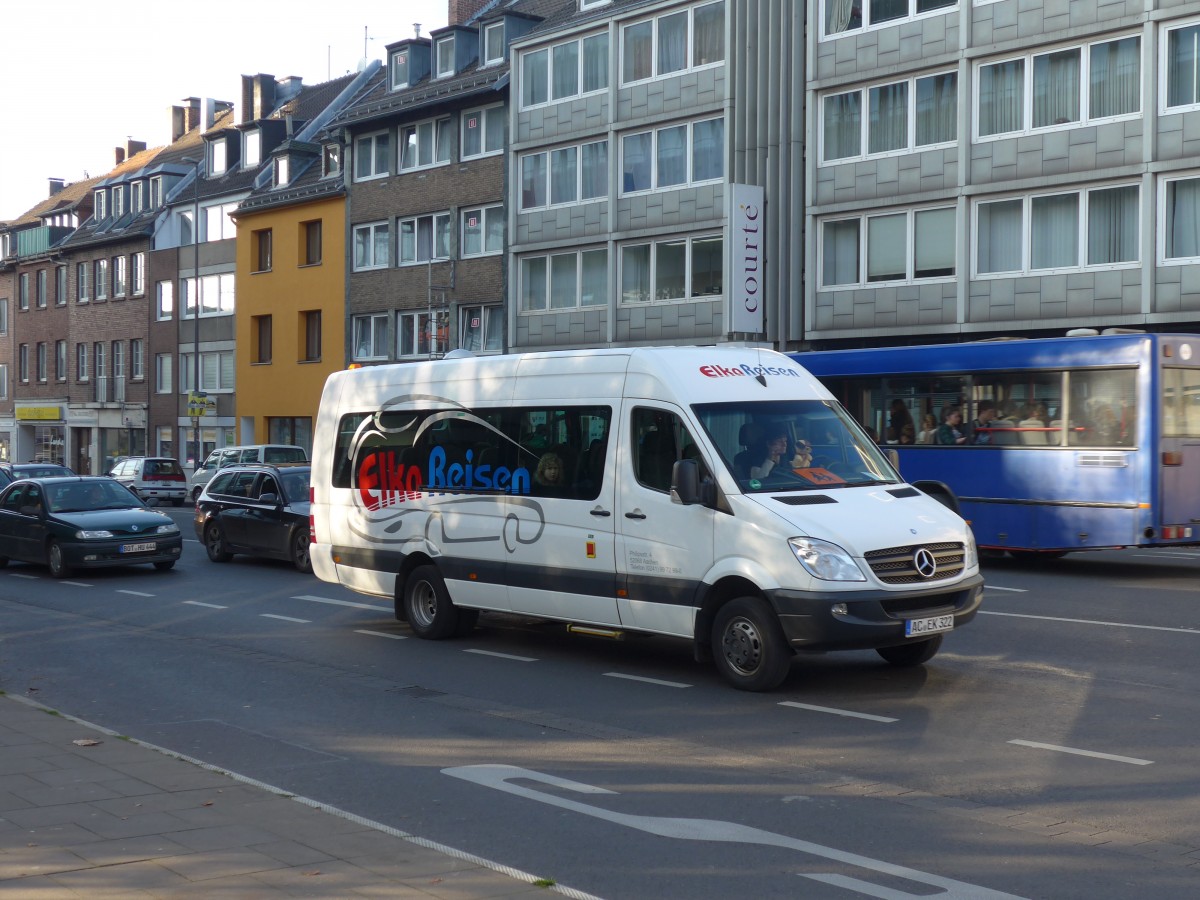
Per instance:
x=290, y=315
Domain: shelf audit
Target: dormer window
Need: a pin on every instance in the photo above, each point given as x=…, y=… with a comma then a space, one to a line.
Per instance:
x=493, y=44
x=216, y=157
x=137, y=196
x=282, y=171
x=445, y=57
x=118, y=202
x=101, y=205
x=156, y=192
x=252, y=154
x=592, y=4
x=399, y=70
x=331, y=160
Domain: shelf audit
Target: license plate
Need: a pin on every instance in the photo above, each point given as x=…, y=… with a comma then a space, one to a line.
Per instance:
x=932, y=625
x=138, y=548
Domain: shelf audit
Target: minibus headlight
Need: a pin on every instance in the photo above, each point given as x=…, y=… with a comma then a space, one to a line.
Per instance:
x=972, y=555
x=826, y=561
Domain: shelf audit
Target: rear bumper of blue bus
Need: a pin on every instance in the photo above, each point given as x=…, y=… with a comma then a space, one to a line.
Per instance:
x=815, y=622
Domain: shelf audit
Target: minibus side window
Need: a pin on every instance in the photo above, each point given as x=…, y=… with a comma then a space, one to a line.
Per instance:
x=658, y=438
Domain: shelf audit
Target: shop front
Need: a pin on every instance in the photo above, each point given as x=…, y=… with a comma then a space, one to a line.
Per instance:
x=41, y=434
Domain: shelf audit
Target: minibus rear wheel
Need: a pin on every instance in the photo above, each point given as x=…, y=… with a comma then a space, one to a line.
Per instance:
x=427, y=605
x=748, y=645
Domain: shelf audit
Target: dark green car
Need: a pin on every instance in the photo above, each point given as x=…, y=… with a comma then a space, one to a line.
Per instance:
x=83, y=522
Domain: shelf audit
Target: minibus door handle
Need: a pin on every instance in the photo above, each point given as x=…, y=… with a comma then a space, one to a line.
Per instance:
x=636, y=514
x=601, y=511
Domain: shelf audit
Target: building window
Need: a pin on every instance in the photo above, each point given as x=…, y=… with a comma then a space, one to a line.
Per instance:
x=23, y=291
x=566, y=70
x=493, y=44
x=674, y=42
x=137, y=274
x=119, y=275
x=844, y=16
x=41, y=288
x=251, y=148
x=98, y=359
x=217, y=157
x=1067, y=86
x=421, y=334
x=137, y=359
x=60, y=286
x=118, y=201
x=261, y=326
x=371, y=156
x=4, y=315
x=312, y=335
x=312, y=242
x=445, y=57
x=564, y=280
x=1181, y=64
x=81, y=362
x=482, y=132
x=3, y=381
x=162, y=373
x=23, y=363
x=216, y=294
x=1064, y=231
x=81, y=282
x=673, y=270
x=425, y=144
x=282, y=171
x=424, y=238
x=892, y=123
x=370, y=337
x=164, y=304
x=482, y=231
x=216, y=371
x=118, y=360
x=565, y=175
x=1180, y=229
x=101, y=280
x=481, y=328
x=399, y=70
x=218, y=222
x=41, y=361
x=100, y=205
x=262, y=250
x=290, y=430
x=905, y=246
x=674, y=156
x=156, y=191
x=60, y=360
x=187, y=233
x=137, y=193
x=371, y=246
x=331, y=160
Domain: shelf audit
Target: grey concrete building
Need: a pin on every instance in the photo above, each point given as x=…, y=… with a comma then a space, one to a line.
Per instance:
x=657, y=160
x=990, y=167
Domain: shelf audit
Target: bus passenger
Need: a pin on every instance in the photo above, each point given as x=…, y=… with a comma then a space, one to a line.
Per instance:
x=980, y=430
x=929, y=427
x=950, y=431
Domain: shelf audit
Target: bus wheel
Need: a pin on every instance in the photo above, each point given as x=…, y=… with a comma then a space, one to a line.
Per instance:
x=427, y=604
x=748, y=645
x=907, y=655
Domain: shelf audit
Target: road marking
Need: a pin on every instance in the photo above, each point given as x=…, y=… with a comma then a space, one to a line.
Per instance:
x=838, y=712
x=19, y=575
x=286, y=618
x=1167, y=555
x=139, y=594
x=394, y=637
x=992, y=612
x=996, y=587
x=1132, y=760
x=77, y=583
x=351, y=603
x=498, y=778
x=502, y=655
x=674, y=684
x=198, y=603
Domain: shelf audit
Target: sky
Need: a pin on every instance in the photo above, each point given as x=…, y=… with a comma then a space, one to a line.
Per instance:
x=81, y=77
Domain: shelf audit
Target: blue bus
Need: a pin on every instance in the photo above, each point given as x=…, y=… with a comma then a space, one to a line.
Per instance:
x=1059, y=444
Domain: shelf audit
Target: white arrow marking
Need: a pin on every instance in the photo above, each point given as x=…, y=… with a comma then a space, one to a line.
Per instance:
x=498, y=777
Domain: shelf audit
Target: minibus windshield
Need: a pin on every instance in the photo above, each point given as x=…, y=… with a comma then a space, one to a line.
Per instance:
x=793, y=445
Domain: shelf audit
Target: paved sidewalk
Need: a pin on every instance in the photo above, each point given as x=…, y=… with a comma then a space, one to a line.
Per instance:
x=86, y=813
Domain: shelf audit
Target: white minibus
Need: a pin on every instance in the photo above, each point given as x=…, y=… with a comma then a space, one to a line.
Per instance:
x=715, y=494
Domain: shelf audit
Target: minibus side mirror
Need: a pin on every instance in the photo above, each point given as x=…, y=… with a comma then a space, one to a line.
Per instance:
x=686, y=487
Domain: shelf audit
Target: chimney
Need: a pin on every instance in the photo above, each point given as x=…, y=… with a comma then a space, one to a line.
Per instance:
x=178, y=124
x=208, y=113
x=119, y=153
x=133, y=148
x=261, y=99
x=191, y=113
x=56, y=185
x=461, y=10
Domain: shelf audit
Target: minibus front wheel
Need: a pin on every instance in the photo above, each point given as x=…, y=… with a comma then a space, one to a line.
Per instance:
x=748, y=645
x=427, y=605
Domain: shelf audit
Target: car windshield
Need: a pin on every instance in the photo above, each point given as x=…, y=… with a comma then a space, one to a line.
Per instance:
x=295, y=486
x=793, y=445
x=89, y=495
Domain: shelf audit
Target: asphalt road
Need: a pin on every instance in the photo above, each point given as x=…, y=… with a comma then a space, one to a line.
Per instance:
x=1046, y=752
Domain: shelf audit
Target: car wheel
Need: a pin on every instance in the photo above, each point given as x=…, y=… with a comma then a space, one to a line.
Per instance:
x=214, y=543
x=427, y=604
x=165, y=566
x=914, y=654
x=57, y=561
x=748, y=645
x=299, y=552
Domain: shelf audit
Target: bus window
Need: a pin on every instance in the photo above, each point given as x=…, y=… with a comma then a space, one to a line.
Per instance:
x=1102, y=409
x=1180, y=403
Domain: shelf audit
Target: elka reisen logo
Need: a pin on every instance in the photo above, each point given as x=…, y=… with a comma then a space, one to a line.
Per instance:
x=715, y=371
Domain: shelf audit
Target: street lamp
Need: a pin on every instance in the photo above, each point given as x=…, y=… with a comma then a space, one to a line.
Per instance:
x=196, y=163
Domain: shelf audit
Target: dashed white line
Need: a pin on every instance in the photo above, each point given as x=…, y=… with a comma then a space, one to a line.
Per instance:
x=1132, y=760
x=659, y=681
x=209, y=605
x=502, y=655
x=19, y=575
x=371, y=606
x=991, y=612
x=77, y=583
x=382, y=634
x=286, y=618
x=141, y=594
x=838, y=712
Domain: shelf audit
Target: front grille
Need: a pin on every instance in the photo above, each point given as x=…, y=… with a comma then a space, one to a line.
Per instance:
x=897, y=565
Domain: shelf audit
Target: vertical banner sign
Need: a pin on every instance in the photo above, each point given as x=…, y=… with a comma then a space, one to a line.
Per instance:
x=747, y=238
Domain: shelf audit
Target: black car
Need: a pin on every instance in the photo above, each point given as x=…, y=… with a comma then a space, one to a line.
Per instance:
x=82, y=523
x=36, y=470
x=259, y=510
